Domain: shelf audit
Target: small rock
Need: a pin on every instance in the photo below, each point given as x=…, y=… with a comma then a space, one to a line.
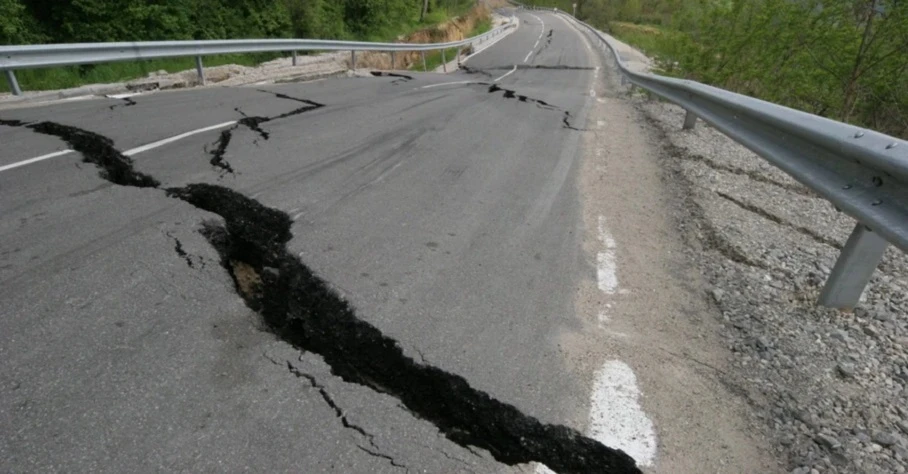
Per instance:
x=801, y=470
x=883, y=438
x=883, y=316
x=845, y=369
x=839, y=334
x=828, y=441
x=871, y=331
x=718, y=295
x=900, y=452
x=903, y=425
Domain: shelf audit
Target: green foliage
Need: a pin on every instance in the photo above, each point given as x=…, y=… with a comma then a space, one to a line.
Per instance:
x=844, y=59
x=74, y=21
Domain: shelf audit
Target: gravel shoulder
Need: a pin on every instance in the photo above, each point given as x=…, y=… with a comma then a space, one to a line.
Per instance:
x=659, y=320
x=829, y=387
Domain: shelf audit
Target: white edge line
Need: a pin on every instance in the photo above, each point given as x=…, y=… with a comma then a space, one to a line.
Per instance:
x=153, y=145
x=506, y=74
x=35, y=160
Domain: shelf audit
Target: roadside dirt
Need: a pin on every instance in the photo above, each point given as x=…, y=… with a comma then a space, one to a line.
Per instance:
x=659, y=320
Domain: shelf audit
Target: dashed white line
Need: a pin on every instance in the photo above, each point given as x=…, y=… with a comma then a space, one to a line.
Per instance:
x=616, y=418
x=35, y=160
x=181, y=136
x=134, y=151
x=537, y=40
x=606, y=268
x=506, y=74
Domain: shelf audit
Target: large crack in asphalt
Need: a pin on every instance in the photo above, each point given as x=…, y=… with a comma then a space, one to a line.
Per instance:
x=300, y=308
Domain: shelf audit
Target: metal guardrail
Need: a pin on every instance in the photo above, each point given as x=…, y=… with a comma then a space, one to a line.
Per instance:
x=862, y=172
x=53, y=55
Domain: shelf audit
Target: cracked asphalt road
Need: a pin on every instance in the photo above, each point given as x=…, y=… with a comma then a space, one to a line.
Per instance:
x=443, y=214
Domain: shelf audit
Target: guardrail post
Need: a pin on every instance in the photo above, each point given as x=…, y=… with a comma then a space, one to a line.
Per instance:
x=444, y=62
x=353, y=60
x=424, y=67
x=393, y=62
x=690, y=121
x=13, y=83
x=294, y=58
x=459, y=54
x=200, y=69
x=853, y=269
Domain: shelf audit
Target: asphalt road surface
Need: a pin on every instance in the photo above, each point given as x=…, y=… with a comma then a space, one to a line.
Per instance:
x=153, y=323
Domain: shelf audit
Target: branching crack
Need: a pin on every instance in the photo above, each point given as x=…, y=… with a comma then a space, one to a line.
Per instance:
x=511, y=94
x=778, y=220
x=302, y=309
x=254, y=123
x=471, y=70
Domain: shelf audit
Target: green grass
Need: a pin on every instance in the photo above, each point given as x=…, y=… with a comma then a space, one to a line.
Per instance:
x=74, y=76
x=662, y=44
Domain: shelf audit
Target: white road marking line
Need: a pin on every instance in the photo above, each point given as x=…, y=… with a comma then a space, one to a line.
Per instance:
x=506, y=74
x=430, y=86
x=159, y=143
x=537, y=40
x=122, y=96
x=616, y=418
x=134, y=151
x=35, y=159
x=607, y=265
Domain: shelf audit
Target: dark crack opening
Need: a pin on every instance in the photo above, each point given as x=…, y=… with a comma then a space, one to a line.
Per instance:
x=400, y=77
x=301, y=309
x=127, y=102
x=220, y=149
x=178, y=248
x=99, y=150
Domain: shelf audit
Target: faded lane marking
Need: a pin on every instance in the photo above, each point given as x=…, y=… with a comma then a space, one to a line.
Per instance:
x=606, y=268
x=35, y=159
x=430, y=86
x=616, y=417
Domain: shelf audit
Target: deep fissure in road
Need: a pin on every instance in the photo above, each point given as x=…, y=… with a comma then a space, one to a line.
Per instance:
x=301, y=309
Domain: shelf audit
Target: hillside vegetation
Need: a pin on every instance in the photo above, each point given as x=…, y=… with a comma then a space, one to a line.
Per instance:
x=843, y=59
x=74, y=21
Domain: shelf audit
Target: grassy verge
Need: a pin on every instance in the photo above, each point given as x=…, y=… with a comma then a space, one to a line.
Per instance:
x=665, y=46
x=433, y=59
x=74, y=76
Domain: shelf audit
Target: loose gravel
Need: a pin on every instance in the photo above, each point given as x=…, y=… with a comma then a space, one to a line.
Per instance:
x=831, y=387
